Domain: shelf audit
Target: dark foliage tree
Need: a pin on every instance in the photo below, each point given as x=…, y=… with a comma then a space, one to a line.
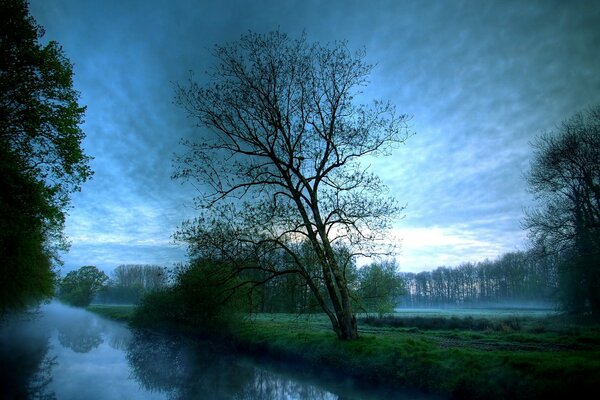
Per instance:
x=79, y=287
x=380, y=286
x=202, y=295
x=280, y=162
x=565, y=179
x=41, y=159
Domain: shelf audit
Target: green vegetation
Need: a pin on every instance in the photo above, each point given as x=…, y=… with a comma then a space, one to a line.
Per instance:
x=453, y=322
x=78, y=288
x=116, y=312
x=463, y=364
x=534, y=357
x=379, y=287
x=202, y=296
x=41, y=158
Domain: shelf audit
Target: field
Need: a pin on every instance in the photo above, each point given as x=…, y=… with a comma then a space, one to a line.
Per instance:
x=487, y=354
x=112, y=311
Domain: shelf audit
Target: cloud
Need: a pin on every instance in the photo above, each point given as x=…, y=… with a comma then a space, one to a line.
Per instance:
x=480, y=78
x=425, y=248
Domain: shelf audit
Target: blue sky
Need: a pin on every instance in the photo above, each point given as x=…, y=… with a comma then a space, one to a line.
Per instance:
x=481, y=79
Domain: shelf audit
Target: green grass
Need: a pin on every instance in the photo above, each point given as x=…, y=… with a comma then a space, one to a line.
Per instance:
x=546, y=357
x=116, y=312
x=563, y=360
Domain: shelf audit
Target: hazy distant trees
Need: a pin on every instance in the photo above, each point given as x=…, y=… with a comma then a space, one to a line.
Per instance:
x=130, y=282
x=279, y=163
x=78, y=288
x=515, y=278
x=41, y=159
x=565, y=179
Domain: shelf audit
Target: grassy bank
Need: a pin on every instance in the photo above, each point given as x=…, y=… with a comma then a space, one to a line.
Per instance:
x=116, y=312
x=460, y=363
x=534, y=358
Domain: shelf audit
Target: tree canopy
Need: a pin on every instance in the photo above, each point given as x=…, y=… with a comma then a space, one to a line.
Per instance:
x=280, y=164
x=380, y=286
x=41, y=158
x=565, y=180
x=79, y=287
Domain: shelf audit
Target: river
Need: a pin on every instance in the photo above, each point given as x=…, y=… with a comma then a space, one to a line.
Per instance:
x=59, y=352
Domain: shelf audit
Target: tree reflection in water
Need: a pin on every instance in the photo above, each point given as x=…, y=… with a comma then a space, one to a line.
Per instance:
x=80, y=335
x=26, y=366
x=186, y=369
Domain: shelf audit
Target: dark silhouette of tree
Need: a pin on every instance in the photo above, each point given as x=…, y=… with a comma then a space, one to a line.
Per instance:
x=380, y=286
x=79, y=287
x=280, y=161
x=41, y=159
x=25, y=358
x=565, y=180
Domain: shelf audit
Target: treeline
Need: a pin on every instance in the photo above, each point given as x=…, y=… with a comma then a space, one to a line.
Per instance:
x=130, y=282
x=515, y=278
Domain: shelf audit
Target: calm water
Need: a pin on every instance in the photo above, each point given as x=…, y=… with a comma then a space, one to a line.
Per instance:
x=66, y=353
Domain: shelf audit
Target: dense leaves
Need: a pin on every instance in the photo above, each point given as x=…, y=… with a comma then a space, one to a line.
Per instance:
x=202, y=296
x=78, y=288
x=42, y=161
x=380, y=286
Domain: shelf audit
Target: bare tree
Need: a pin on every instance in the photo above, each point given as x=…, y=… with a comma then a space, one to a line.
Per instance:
x=280, y=163
x=565, y=179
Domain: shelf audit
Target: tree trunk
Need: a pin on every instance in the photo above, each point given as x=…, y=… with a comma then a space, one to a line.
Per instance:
x=348, y=330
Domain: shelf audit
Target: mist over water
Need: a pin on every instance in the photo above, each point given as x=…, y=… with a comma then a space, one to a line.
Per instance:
x=59, y=352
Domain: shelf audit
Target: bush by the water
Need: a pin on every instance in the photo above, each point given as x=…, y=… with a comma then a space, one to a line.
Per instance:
x=203, y=296
x=444, y=323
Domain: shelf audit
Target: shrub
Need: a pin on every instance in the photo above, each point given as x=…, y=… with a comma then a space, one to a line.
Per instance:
x=204, y=296
x=444, y=323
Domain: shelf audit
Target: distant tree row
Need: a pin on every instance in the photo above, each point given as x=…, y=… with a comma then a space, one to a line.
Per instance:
x=515, y=278
x=130, y=282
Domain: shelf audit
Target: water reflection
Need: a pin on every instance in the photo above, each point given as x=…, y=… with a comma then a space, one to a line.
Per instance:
x=191, y=370
x=24, y=357
x=66, y=353
x=80, y=335
x=184, y=369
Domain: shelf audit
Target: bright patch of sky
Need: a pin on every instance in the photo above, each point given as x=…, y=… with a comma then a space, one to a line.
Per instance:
x=480, y=79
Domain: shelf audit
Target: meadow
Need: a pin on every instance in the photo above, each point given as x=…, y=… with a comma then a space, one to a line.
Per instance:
x=483, y=354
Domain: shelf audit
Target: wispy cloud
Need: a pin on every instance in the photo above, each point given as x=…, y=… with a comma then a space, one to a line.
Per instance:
x=480, y=78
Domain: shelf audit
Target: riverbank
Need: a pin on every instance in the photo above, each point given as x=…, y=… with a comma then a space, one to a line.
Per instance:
x=543, y=358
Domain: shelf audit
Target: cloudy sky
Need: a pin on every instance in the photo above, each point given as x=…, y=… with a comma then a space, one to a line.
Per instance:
x=480, y=79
